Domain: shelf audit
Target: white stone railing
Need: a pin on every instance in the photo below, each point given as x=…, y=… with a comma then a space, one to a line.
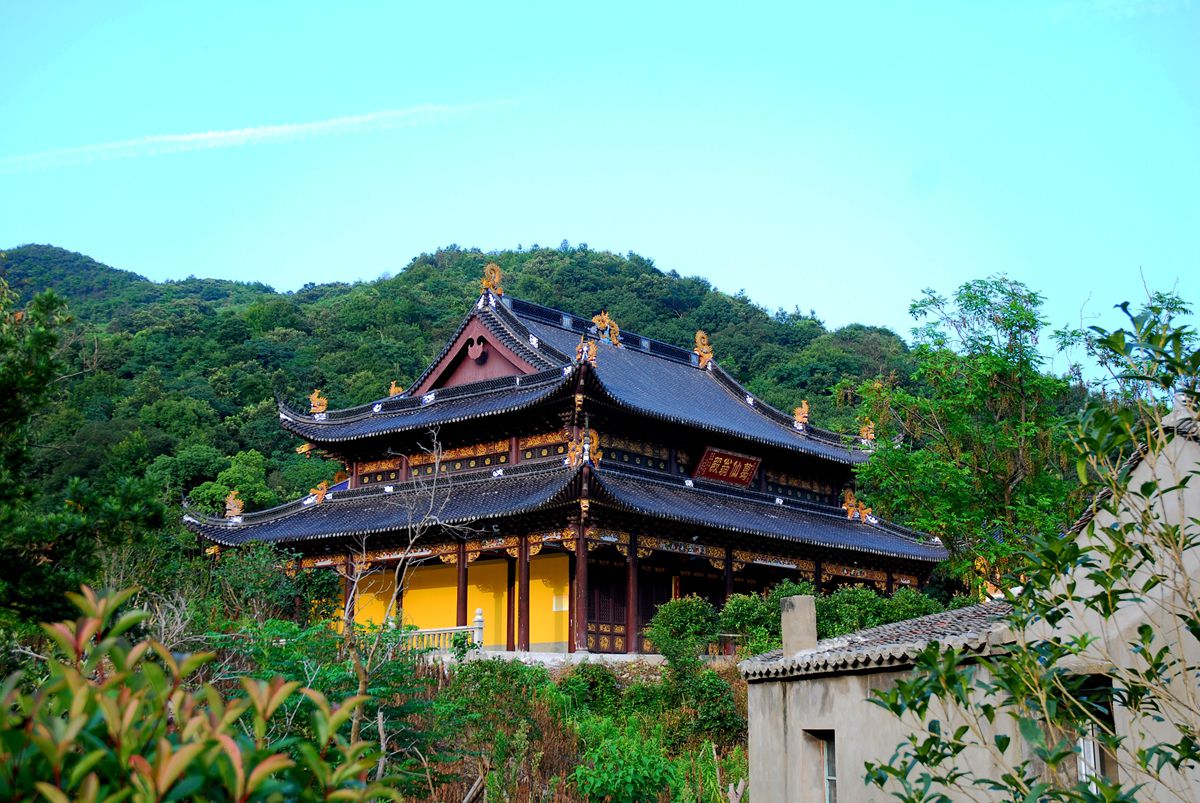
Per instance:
x=441, y=639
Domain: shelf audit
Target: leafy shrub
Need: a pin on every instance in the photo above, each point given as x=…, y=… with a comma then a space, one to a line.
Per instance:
x=592, y=687
x=113, y=720
x=716, y=717
x=623, y=766
x=679, y=629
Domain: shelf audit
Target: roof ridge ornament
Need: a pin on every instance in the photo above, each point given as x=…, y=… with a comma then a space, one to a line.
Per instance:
x=607, y=328
x=586, y=351
x=856, y=509
x=703, y=350
x=317, y=403
x=800, y=415
x=394, y=390
x=320, y=492
x=866, y=434
x=234, y=505
x=490, y=283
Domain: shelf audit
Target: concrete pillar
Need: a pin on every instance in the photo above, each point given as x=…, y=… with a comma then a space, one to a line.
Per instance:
x=799, y=623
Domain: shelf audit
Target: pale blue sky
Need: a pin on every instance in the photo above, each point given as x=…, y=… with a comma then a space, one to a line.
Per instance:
x=835, y=156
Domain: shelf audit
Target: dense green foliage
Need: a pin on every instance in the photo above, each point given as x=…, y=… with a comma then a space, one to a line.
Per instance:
x=975, y=450
x=114, y=719
x=1104, y=623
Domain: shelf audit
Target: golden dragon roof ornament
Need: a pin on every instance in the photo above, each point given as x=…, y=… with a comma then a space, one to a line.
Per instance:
x=234, y=504
x=586, y=351
x=317, y=403
x=703, y=350
x=491, y=280
x=607, y=328
x=801, y=415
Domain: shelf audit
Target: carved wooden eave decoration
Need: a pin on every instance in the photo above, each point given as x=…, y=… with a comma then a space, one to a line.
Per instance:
x=607, y=329
x=305, y=449
x=584, y=448
x=703, y=350
x=490, y=283
x=317, y=403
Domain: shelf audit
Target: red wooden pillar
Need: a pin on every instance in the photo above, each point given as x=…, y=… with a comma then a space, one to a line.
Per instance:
x=730, y=646
x=510, y=641
x=523, y=594
x=728, y=573
x=461, y=562
x=580, y=604
x=631, y=598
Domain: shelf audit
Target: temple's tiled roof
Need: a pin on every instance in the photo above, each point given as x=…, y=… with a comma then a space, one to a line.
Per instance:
x=753, y=513
x=365, y=511
x=442, y=406
x=646, y=376
x=660, y=381
x=895, y=645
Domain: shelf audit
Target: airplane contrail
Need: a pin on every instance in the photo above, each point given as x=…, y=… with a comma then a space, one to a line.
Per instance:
x=238, y=137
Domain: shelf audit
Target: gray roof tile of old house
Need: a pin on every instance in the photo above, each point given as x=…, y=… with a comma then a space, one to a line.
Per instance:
x=887, y=646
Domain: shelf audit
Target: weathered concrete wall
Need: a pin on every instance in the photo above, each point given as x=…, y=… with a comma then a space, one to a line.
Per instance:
x=786, y=759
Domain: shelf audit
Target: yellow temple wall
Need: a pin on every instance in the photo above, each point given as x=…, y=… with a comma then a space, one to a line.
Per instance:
x=374, y=594
x=431, y=595
x=486, y=582
x=549, y=577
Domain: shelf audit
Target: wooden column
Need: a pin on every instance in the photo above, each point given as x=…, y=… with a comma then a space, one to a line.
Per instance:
x=570, y=603
x=631, y=598
x=579, y=604
x=728, y=573
x=514, y=454
x=461, y=562
x=523, y=594
x=510, y=598
x=730, y=647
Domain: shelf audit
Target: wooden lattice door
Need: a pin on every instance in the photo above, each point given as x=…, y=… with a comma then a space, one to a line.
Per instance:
x=606, y=609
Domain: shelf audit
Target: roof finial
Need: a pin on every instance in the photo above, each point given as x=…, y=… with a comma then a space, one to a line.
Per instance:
x=703, y=350
x=849, y=503
x=607, y=328
x=320, y=492
x=317, y=403
x=801, y=415
x=234, y=505
x=586, y=351
x=394, y=390
x=866, y=433
x=491, y=280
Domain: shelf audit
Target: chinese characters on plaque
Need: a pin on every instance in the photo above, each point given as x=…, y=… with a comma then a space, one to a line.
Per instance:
x=738, y=469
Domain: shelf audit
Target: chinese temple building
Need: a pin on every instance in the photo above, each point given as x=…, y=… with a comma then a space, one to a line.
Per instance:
x=567, y=478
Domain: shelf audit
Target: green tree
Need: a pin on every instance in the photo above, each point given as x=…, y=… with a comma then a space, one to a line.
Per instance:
x=976, y=453
x=48, y=545
x=1118, y=597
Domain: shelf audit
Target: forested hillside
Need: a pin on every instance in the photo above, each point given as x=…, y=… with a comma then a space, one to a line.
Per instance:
x=123, y=396
x=176, y=378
